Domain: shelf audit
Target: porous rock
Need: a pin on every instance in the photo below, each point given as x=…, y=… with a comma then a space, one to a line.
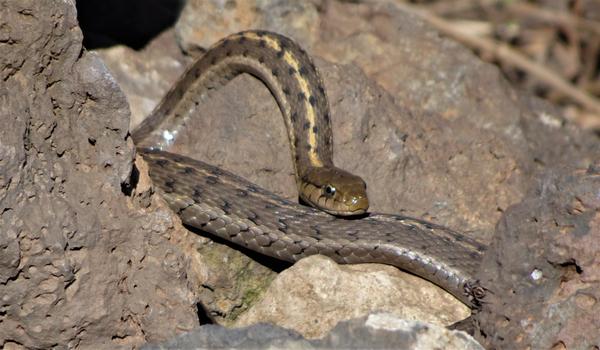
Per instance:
x=542, y=268
x=81, y=264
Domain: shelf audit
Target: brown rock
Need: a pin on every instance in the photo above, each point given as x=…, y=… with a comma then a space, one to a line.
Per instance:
x=82, y=265
x=202, y=21
x=542, y=268
x=145, y=75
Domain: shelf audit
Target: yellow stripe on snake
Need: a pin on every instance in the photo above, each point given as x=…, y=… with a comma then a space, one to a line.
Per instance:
x=223, y=204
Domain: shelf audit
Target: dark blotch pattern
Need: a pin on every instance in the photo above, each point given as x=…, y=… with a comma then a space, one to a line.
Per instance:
x=321, y=90
x=211, y=180
x=169, y=186
x=282, y=225
x=226, y=207
x=312, y=100
x=303, y=71
x=216, y=171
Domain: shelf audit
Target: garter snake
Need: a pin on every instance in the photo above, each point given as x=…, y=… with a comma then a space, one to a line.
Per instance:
x=216, y=201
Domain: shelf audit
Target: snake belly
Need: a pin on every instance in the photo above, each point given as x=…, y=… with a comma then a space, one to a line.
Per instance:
x=220, y=203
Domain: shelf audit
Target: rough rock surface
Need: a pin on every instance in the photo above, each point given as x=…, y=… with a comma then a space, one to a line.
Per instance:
x=375, y=331
x=324, y=293
x=297, y=19
x=542, y=268
x=81, y=265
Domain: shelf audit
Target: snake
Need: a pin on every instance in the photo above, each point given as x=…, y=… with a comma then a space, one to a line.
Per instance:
x=336, y=223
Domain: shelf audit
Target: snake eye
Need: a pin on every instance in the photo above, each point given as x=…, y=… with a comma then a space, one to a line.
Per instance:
x=329, y=190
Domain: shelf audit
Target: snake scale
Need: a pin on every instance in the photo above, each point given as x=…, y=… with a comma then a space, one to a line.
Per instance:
x=220, y=203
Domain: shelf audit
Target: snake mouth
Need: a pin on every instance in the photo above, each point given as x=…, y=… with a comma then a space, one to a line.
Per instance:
x=346, y=213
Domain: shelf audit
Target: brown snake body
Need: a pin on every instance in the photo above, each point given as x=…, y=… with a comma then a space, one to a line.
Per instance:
x=223, y=204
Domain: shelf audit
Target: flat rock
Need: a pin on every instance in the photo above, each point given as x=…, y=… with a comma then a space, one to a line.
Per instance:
x=315, y=294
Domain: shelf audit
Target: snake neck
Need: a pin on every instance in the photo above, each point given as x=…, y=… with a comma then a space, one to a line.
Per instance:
x=286, y=70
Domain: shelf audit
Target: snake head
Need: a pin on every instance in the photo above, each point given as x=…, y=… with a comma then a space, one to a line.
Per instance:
x=334, y=191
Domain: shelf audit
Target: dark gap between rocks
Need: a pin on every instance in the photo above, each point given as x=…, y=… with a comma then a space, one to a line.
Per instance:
x=203, y=315
x=131, y=183
x=133, y=23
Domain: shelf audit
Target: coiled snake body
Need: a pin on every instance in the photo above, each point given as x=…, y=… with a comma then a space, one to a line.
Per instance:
x=223, y=204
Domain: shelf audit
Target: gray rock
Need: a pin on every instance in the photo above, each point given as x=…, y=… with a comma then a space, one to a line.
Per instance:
x=260, y=336
x=375, y=331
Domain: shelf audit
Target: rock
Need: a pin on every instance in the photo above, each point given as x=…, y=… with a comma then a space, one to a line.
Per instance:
x=542, y=268
x=375, y=331
x=82, y=264
x=258, y=336
x=145, y=75
x=202, y=21
x=315, y=294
